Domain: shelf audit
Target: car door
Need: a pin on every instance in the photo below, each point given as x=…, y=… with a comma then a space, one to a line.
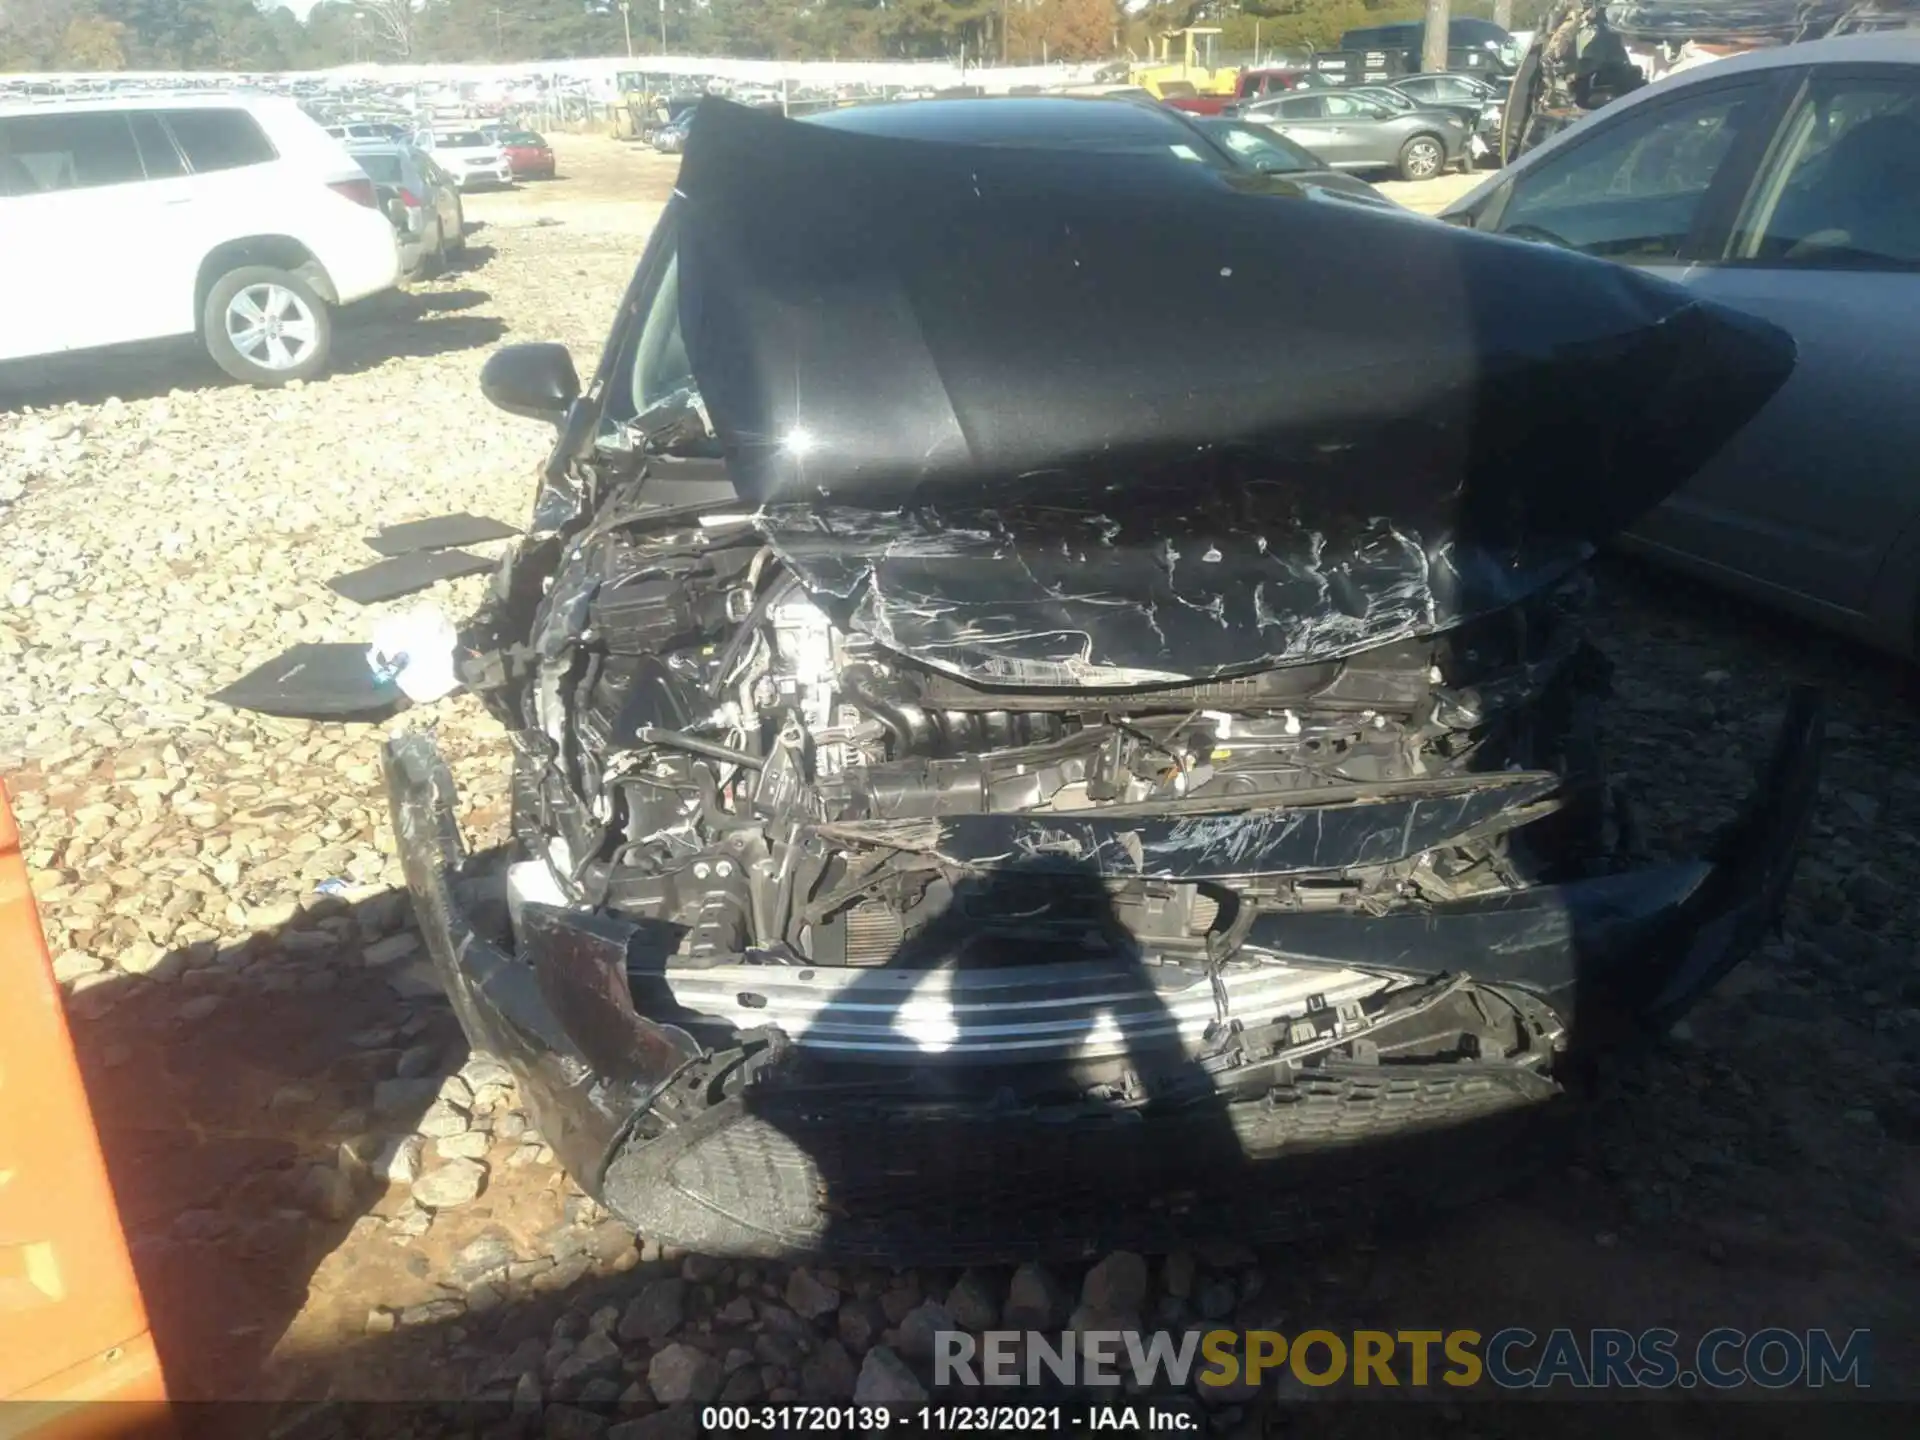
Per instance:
x=75, y=194
x=446, y=197
x=1352, y=130
x=1809, y=497
x=1303, y=120
x=1643, y=186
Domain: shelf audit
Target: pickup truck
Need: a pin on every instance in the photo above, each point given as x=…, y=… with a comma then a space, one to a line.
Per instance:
x=1252, y=85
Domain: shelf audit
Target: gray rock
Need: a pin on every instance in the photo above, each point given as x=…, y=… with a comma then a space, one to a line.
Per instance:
x=391, y=950
x=656, y=1312
x=469, y=1146
x=481, y=1257
x=432, y=1312
x=404, y=1097
x=443, y=1118
x=198, y=1008
x=885, y=1380
x=742, y=1386
x=1035, y=1301
x=398, y=1160
x=483, y=1069
x=562, y=1275
x=737, y=1311
x=1117, y=1284
x=526, y=1392
x=860, y=1323
x=972, y=1302
x=921, y=1324
x=829, y=1373
x=676, y=1422
x=680, y=1373
x=736, y=1359
x=596, y=1354
x=809, y=1296
x=898, y=1302
x=458, y=1182
x=410, y=1221
x=417, y=1061
x=327, y=1192
x=782, y=1352
x=484, y=1297
x=1217, y=1299
x=1177, y=1274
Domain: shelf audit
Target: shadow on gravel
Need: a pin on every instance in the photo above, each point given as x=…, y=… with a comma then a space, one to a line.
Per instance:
x=238, y=1092
x=225, y=1084
x=400, y=325
x=474, y=257
x=436, y=302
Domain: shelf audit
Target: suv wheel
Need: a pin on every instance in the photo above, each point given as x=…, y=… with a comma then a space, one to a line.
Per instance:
x=1422, y=158
x=266, y=326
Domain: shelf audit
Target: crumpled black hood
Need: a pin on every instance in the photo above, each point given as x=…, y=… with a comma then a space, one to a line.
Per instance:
x=1054, y=417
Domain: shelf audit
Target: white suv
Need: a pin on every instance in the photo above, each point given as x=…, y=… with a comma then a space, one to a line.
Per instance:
x=235, y=219
x=468, y=153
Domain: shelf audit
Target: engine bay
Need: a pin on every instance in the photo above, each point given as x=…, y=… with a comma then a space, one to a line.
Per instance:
x=707, y=747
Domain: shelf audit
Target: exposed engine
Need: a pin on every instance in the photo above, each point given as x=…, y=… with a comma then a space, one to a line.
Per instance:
x=710, y=708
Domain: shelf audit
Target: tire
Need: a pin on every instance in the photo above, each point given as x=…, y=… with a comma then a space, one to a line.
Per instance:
x=457, y=242
x=1422, y=158
x=236, y=311
x=438, y=260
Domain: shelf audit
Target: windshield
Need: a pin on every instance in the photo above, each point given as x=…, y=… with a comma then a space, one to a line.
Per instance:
x=385, y=169
x=1391, y=99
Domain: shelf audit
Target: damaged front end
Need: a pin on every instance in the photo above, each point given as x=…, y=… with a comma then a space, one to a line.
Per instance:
x=982, y=789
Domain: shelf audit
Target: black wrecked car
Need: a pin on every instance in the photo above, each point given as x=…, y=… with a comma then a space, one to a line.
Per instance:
x=989, y=785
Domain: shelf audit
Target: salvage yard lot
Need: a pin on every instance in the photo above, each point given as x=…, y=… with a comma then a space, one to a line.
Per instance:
x=255, y=1043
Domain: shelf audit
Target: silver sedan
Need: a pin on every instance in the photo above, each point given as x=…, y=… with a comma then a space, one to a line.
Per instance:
x=1784, y=182
x=1353, y=132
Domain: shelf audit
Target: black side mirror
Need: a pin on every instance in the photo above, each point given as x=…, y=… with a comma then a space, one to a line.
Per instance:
x=535, y=381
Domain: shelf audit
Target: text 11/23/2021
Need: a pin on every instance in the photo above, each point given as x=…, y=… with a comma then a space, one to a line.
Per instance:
x=959, y=1419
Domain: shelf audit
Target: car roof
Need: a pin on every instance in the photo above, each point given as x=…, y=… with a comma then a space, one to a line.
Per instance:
x=1881, y=48
x=1040, y=121
x=176, y=100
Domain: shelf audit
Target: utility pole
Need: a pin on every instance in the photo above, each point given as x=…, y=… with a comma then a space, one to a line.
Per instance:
x=1503, y=14
x=663, y=27
x=626, y=24
x=1003, y=32
x=1433, y=54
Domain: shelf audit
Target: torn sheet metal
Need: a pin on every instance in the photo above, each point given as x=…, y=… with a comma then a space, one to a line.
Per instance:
x=1379, y=428
x=317, y=682
x=439, y=532
x=406, y=574
x=1305, y=838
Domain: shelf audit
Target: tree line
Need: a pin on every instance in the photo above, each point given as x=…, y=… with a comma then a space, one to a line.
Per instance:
x=239, y=35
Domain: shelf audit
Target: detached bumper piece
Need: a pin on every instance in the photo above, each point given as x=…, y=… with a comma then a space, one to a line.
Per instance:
x=1337, y=1063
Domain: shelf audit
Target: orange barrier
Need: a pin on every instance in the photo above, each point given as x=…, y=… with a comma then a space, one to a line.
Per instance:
x=77, y=1358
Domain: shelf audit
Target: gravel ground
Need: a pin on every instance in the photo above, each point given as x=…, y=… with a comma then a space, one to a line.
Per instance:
x=327, y=1198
